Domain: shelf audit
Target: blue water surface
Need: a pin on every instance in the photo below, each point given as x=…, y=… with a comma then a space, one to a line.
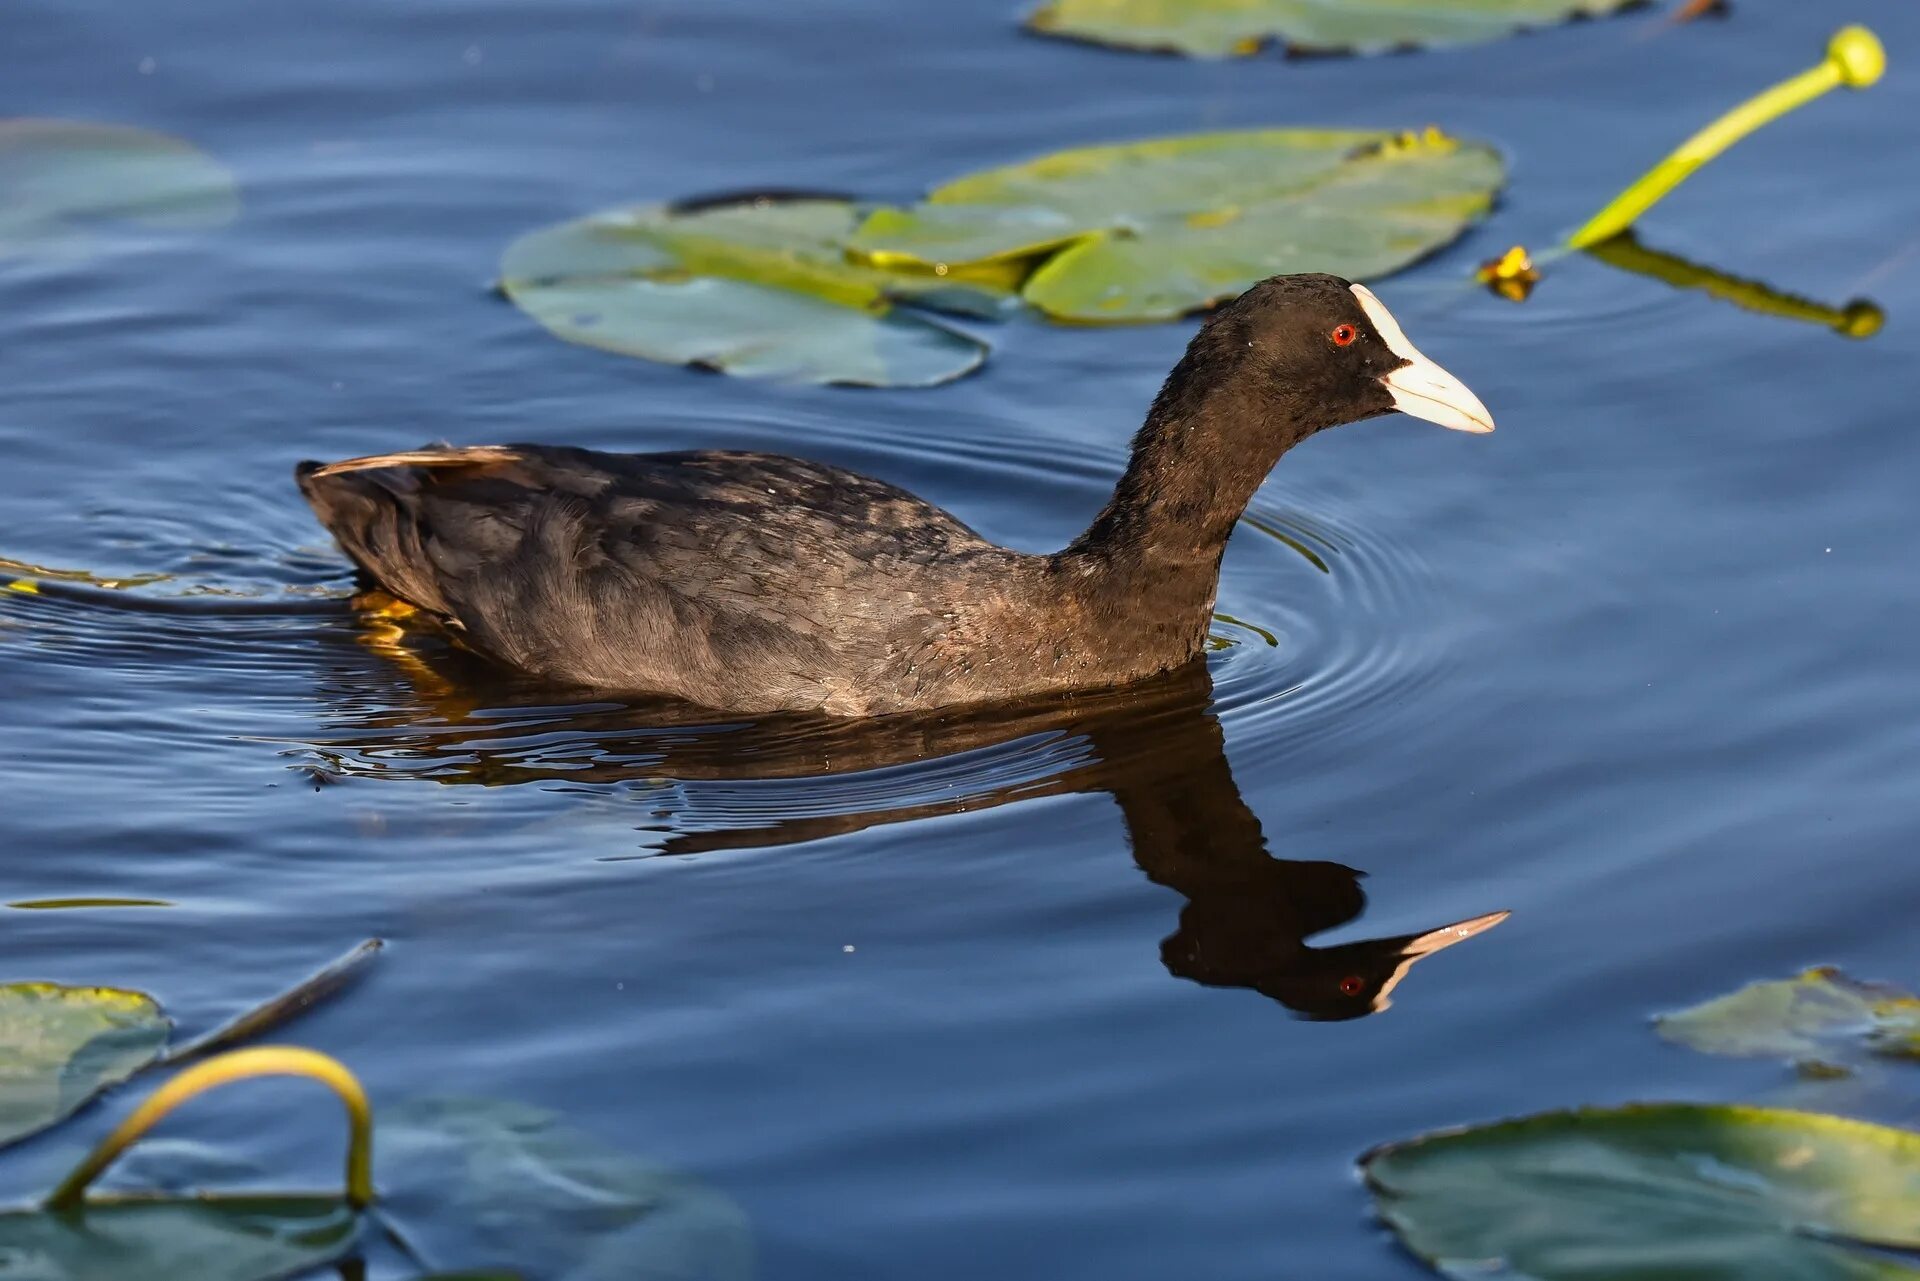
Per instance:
x=1639, y=668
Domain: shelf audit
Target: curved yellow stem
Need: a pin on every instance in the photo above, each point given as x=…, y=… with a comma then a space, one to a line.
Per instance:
x=1854, y=58
x=265, y=1060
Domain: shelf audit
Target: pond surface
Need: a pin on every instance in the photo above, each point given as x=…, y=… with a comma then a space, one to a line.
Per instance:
x=1012, y=998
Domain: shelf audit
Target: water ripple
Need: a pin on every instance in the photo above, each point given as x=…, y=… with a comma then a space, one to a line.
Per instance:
x=1322, y=633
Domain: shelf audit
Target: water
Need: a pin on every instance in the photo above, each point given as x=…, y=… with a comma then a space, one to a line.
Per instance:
x=1638, y=668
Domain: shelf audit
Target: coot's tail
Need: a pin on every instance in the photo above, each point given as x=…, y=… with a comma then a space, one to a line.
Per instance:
x=372, y=507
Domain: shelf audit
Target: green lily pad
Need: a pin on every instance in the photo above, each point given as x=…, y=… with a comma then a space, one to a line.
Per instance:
x=63, y=1045
x=1819, y=1016
x=479, y=1183
x=206, y=1238
x=1236, y=28
x=1153, y=230
x=62, y=176
x=1656, y=1192
x=760, y=287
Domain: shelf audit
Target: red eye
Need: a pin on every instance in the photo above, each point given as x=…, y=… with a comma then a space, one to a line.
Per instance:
x=1344, y=335
x=1352, y=984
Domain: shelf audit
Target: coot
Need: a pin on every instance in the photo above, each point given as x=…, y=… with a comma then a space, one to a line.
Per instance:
x=753, y=582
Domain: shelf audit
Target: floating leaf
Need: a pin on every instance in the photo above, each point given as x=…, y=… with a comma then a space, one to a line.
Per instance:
x=1657, y=1192
x=1152, y=230
x=62, y=175
x=1236, y=28
x=220, y=1238
x=74, y=904
x=761, y=288
x=479, y=1183
x=1818, y=1016
x=9, y=566
x=66, y=1044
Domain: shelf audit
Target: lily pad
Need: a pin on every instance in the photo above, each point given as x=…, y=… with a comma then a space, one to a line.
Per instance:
x=1819, y=1016
x=1152, y=230
x=759, y=287
x=207, y=1238
x=1236, y=28
x=1656, y=1192
x=479, y=1183
x=62, y=176
x=66, y=1044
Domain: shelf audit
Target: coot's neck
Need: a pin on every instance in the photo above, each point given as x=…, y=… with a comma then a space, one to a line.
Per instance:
x=1153, y=553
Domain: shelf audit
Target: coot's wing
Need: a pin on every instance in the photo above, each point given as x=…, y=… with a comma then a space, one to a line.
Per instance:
x=661, y=571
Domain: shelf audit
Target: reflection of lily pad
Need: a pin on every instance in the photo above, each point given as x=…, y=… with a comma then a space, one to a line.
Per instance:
x=478, y=1183
x=1229, y=28
x=206, y=1238
x=1822, y=1014
x=1656, y=1192
x=759, y=287
x=66, y=1044
x=1151, y=230
x=62, y=175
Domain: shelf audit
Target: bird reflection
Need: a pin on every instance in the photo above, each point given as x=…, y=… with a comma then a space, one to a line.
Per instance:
x=1156, y=748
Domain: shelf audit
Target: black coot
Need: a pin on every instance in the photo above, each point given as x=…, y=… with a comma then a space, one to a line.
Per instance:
x=753, y=582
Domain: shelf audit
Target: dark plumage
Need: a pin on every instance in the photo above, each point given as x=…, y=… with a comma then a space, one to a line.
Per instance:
x=753, y=582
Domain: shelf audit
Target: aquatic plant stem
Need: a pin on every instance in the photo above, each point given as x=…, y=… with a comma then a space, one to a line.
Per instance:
x=1860, y=318
x=1854, y=58
x=266, y=1060
x=290, y=1004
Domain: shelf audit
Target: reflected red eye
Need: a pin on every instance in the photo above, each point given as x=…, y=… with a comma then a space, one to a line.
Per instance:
x=1343, y=335
x=1350, y=985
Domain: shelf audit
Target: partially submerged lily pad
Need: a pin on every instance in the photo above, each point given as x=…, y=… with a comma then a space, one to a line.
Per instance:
x=63, y=176
x=1657, y=1192
x=1152, y=230
x=1236, y=28
x=75, y=1236
x=206, y=1238
x=66, y=1044
x=479, y=1183
x=758, y=287
x=1819, y=1016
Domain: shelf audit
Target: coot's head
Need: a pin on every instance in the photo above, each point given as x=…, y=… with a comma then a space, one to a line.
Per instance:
x=1321, y=351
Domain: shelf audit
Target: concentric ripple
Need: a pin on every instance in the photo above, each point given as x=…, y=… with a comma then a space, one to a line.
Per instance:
x=1320, y=633
x=1332, y=627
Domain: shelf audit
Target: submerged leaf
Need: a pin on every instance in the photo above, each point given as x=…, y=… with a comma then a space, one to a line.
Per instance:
x=1152, y=230
x=206, y=1238
x=1656, y=1192
x=478, y=1183
x=1235, y=28
x=759, y=288
x=63, y=1045
x=61, y=175
x=1819, y=1015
